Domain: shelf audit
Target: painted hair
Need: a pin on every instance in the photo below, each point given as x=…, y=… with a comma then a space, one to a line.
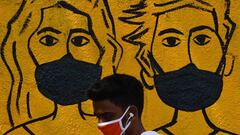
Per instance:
x=142, y=18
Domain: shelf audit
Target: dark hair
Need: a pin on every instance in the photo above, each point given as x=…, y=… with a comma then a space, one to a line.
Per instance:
x=122, y=90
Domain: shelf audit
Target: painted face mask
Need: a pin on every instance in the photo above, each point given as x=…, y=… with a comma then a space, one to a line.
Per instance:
x=188, y=88
x=66, y=80
x=115, y=127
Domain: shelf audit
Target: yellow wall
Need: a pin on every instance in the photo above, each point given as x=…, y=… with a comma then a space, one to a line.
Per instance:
x=224, y=113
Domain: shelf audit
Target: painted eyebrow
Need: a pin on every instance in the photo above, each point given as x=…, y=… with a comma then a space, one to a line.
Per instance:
x=79, y=30
x=170, y=30
x=202, y=27
x=51, y=29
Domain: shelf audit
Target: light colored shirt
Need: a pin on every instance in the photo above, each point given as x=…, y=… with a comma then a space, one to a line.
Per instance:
x=150, y=133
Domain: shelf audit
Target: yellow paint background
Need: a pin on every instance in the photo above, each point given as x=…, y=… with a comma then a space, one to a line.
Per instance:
x=225, y=113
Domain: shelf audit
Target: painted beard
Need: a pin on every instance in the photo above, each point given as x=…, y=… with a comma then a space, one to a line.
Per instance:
x=66, y=81
x=189, y=88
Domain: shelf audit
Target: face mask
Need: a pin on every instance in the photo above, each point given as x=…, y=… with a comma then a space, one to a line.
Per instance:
x=66, y=80
x=189, y=88
x=115, y=127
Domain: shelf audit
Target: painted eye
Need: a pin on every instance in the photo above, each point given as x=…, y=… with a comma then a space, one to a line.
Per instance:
x=48, y=40
x=171, y=41
x=202, y=39
x=80, y=41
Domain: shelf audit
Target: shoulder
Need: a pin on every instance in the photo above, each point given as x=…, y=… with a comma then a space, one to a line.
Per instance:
x=150, y=133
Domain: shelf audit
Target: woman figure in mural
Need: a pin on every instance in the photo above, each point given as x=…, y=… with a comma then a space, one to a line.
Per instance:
x=55, y=50
x=185, y=58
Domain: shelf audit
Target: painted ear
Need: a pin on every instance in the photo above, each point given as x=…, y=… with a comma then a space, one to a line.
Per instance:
x=230, y=60
x=117, y=52
x=146, y=72
x=230, y=27
x=143, y=60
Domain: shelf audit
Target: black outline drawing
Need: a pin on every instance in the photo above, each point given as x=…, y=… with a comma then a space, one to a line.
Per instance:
x=17, y=80
x=137, y=12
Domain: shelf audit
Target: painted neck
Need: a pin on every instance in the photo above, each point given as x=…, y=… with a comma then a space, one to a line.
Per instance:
x=67, y=112
x=191, y=120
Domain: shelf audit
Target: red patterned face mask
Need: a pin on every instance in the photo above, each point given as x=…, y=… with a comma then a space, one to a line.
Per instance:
x=115, y=127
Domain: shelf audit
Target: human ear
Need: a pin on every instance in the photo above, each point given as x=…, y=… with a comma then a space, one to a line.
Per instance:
x=133, y=112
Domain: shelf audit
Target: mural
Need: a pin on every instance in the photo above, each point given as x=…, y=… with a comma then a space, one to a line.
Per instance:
x=191, y=85
x=56, y=56
x=185, y=52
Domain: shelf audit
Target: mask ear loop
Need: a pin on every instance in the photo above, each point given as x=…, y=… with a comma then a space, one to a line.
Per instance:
x=129, y=118
x=128, y=123
x=116, y=120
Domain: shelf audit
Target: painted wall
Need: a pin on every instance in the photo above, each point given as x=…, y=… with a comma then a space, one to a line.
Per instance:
x=185, y=52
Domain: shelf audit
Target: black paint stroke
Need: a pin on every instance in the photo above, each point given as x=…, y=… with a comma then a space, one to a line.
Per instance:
x=180, y=7
x=232, y=67
x=20, y=76
x=142, y=60
x=215, y=19
x=28, y=105
x=110, y=16
x=26, y=22
x=213, y=126
x=164, y=127
x=28, y=130
x=150, y=87
x=32, y=1
x=96, y=4
x=204, y=3
x=105, y=18
x=135, y=11
x=170, y=30
x=29, y=122
x=167, y=3
x=134, y=35
x=117, y=49
x=9, y=27
x=45, y=29
x=230, y=34
x=82, y=113
x=55, y=111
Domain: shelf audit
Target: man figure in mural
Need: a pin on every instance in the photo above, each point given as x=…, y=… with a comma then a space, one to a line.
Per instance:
x=118, y=104
x=54, y=51
x=185, y=58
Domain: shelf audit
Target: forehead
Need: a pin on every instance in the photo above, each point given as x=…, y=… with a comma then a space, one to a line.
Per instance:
x=63, y=19
x=102, y=106
x=185, y=19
